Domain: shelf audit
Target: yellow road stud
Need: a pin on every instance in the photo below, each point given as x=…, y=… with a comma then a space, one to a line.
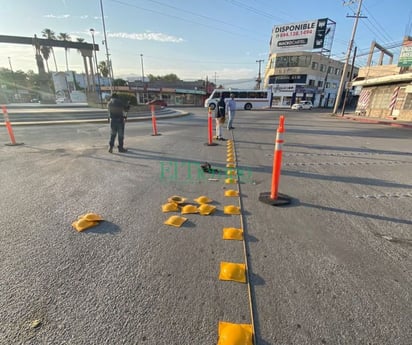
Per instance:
x=230, y=181
x=91, y=217
x=170, y=207
x=206, y=210
x=232, y=234
x=177, y=199
x=230, y=160
x=187, y=209
x=176, y=221
x=231, y=209
x=230, y=165
x=231, y=192
x=203, y=200
x=232, y=271
x=231, y=172
x=235, y=334
x=82, y=224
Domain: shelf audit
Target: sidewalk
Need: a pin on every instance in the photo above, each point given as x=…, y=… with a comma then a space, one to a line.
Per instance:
x=376, y=120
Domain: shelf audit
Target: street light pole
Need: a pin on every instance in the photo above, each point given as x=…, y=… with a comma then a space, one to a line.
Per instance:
x=14, y=79
x=143, y=83
x=107, y=50
x=99, y=92
x=345, y=67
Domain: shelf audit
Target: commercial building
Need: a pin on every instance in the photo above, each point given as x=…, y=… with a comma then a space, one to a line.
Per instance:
x=386, y=90
x=188, y=93
x=299, y=65
x=302, y=75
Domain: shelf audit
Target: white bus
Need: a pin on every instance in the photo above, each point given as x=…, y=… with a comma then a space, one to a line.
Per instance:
x=245, y=99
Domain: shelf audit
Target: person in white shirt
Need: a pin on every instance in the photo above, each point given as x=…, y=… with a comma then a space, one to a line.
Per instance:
x=231, y=110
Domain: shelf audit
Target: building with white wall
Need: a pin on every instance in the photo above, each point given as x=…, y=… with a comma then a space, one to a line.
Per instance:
x=303, y=75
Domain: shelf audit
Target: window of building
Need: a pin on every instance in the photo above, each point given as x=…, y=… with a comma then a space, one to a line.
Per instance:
x=330, y=69
x=327, y=85
x=337, y=71
x=293, y=61
x=408, y=101
x=334, y=85
x=322, y=67
x=311, y=82
x=315, y=65
x=320, y=83
x=381, y=98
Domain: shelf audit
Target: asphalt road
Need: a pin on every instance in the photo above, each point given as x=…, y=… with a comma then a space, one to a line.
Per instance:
x=334, y=267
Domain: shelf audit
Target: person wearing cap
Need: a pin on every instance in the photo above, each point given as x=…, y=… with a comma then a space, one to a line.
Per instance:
x=117, y=120
x=231, y=110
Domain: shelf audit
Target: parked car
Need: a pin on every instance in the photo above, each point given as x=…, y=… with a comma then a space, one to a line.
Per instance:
x=302, y=105
x=160, y=102
x=35, y=100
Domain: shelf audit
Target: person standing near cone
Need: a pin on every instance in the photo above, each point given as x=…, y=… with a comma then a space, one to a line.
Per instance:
x=117, y=120
x=231, y=110
x=220, y=118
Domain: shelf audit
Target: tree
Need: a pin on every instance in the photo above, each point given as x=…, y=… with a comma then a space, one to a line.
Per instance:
x=119, y=82
x=104, y=69
x=45, y=51
x=168, y=77
x=49, y=34
x=65, y=37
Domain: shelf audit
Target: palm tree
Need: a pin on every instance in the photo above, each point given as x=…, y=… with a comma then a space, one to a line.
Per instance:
x=45, y=51
x=104, y=69
x=49, y=34
x=65, y=37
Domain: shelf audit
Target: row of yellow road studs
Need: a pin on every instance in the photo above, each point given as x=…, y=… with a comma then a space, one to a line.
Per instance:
x=233, y=333
x=229, y=333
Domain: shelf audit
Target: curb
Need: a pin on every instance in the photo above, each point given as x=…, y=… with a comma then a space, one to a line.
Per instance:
x=73, y=122
x=380, y=122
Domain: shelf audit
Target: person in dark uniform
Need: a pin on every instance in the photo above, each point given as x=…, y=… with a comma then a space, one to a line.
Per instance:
x=220, y=117
x=117, y=120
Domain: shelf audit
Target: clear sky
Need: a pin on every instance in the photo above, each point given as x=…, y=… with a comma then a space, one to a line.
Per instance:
x=220, y=39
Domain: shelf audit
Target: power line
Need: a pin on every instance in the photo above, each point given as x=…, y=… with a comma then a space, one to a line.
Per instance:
x=254, y=10
x=382, y=29
x=186, y=20
x=199, y=15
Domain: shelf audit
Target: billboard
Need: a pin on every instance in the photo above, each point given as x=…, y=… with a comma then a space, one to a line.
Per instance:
x=405, y=58
x=300, y=36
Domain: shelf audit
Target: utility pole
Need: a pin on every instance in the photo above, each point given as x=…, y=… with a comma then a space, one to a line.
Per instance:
x=350, y=78
x=345, y=68
x=259, y=80
x=99, y=92
x=107, y=51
